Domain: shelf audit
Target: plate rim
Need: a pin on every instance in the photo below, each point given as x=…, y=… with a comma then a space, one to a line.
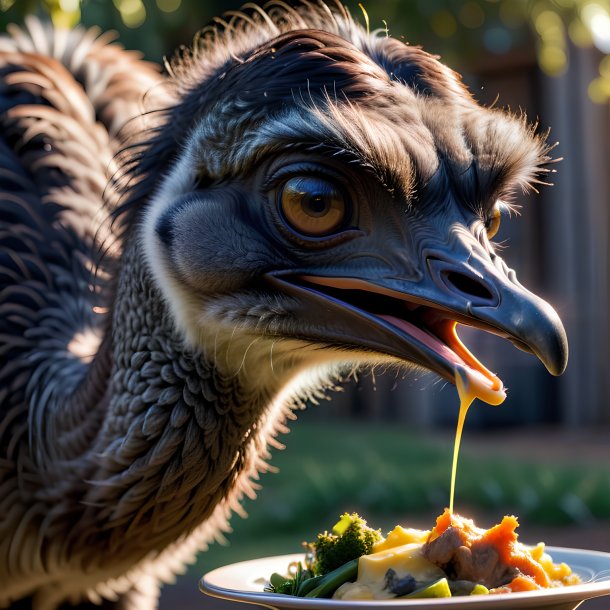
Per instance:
x=583, y=591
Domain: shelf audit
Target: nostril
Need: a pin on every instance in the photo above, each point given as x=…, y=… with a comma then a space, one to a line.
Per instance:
x=468, y=285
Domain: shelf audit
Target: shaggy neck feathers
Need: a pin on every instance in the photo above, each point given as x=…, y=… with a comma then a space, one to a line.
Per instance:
x=178, y=446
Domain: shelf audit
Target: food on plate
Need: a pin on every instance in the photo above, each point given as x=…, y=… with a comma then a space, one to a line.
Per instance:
x=454, y=558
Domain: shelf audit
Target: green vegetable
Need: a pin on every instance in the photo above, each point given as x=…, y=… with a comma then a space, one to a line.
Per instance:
x=280, y=584
x=291, y=586
x=307, y=585
x=330, y=582
x=480, y=590
x=440, y=588
x=350, y=538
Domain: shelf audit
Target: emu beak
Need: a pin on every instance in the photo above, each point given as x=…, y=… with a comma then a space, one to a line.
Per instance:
x=415, y=320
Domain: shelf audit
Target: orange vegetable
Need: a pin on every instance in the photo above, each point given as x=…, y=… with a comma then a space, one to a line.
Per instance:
x=522, y=583
x=503, y=538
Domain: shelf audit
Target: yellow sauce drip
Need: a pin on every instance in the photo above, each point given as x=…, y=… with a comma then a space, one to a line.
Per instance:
x=465, y=402
x=471, y=384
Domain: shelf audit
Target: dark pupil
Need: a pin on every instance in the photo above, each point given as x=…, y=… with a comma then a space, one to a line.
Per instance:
x=315, y=204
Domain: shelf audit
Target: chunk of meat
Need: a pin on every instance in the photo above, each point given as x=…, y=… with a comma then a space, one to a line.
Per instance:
x=463, y=560
x=442, y=550
x=481, y=564
x=490, y=557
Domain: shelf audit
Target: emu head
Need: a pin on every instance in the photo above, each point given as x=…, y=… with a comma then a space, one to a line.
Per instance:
x=329, y=196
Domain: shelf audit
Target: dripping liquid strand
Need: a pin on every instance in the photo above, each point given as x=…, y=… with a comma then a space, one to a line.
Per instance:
x=470, y=385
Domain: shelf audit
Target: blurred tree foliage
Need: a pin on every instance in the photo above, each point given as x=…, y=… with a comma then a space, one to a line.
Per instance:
x=459, y=30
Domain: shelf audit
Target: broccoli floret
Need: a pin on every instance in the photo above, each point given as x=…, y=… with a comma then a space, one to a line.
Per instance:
x=350, y=538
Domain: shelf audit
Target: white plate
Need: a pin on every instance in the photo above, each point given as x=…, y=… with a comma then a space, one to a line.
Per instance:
x=245, y=581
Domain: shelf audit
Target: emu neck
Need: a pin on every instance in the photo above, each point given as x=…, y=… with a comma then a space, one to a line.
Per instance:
x=179, y=438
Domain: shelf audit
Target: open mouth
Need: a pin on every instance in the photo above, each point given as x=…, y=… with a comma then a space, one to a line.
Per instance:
x=415, y=322
x=425, y=323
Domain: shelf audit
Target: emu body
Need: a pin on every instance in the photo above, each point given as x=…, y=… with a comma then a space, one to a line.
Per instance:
x=186, y=258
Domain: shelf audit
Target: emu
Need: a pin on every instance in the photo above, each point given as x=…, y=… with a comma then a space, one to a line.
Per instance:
x=187, y=257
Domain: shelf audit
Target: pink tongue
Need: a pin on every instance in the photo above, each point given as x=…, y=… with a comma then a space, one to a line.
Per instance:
x=471, y=380
x=428, y=340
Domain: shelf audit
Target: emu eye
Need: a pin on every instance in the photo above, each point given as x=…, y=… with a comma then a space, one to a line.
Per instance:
x=492, y=224
x=313, y=206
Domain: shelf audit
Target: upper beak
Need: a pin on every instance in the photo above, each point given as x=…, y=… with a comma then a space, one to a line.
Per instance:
x=415, y=320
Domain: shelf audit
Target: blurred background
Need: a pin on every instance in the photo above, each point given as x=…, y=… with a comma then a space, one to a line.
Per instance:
x=383, y=445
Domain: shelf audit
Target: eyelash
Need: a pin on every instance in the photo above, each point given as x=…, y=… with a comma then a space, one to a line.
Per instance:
x=283, y=174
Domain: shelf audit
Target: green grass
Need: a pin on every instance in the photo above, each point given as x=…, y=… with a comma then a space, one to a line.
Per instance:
x=392, y=476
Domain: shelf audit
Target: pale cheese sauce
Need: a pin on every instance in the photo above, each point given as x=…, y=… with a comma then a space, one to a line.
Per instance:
x=472, y=384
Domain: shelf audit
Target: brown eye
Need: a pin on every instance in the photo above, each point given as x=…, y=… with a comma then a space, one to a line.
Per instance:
x=313, y=206
x=492, y=224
